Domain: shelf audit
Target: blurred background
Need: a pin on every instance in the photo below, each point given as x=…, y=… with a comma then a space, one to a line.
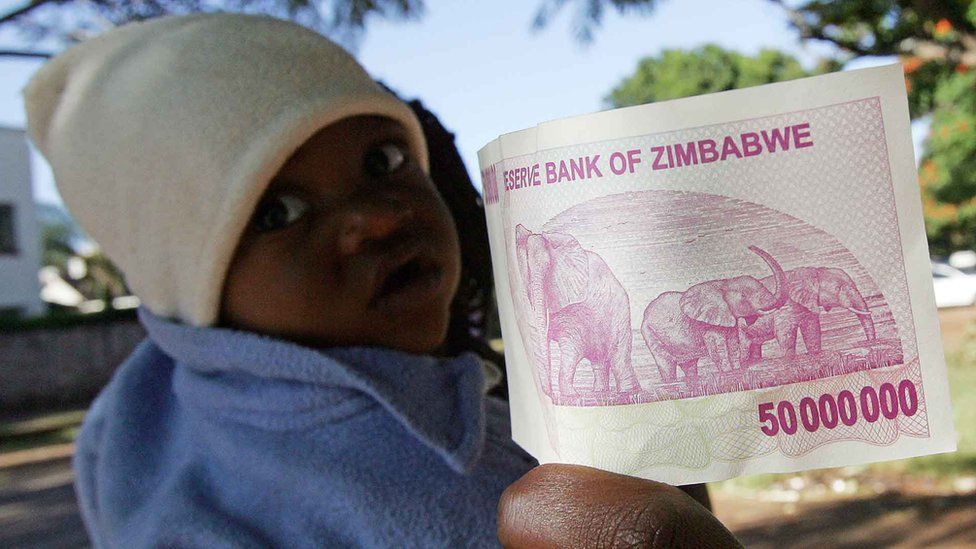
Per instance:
x=486, y=68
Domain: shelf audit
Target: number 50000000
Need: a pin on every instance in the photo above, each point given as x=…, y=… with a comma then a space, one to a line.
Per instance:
x=827, y=411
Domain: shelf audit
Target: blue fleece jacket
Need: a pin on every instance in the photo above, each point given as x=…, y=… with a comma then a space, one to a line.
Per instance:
x=210, y=437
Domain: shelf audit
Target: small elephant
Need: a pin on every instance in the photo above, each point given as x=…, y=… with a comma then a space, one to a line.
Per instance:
x=680, y=328
x=577, y=302
x=812, y=291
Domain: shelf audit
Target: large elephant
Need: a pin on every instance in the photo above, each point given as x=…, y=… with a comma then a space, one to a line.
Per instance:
x=680, y=328
x=813, y=291
x=577, y=302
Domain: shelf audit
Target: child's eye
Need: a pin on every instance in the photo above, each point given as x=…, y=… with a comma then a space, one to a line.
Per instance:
x=277, y=212
x=384, y=159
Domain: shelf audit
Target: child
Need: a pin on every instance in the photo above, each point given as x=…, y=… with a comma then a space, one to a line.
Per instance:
x=308, y=379
x=271, y=206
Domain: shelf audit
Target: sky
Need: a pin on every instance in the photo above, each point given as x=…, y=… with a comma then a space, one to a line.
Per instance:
x=484, y=71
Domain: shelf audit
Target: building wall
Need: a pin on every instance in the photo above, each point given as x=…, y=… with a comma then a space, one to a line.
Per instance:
x=48, y=368
x=19, y=287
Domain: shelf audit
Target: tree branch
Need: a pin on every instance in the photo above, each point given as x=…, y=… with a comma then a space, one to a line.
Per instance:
x=33, y=54
x=939, y=9
x=807, y=32
x=959, y=49
x=34, y=4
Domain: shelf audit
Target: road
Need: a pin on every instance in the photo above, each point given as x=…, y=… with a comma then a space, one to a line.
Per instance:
x=891, y=520
x=955, y=323
x=37, y=506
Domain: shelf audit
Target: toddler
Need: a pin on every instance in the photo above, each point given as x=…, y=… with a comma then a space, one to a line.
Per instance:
x=305, y=380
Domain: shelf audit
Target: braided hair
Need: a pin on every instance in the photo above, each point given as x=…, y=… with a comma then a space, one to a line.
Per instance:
x=473, y=313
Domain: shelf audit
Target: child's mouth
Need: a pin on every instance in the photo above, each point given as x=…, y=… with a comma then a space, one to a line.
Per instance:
x=415, y=280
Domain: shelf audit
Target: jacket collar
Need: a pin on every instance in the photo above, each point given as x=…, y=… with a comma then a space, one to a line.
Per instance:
x=275, y=384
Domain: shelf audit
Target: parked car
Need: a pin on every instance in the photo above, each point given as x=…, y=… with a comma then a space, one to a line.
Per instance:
x=953, y=288
x=964, y=260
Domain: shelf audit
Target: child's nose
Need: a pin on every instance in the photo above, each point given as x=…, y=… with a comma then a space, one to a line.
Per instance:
x=361, y=226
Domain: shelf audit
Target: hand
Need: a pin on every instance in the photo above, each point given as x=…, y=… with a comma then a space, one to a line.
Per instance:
x=558, y=505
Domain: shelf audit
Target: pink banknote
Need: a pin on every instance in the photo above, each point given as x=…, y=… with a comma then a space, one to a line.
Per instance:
x=726, y=284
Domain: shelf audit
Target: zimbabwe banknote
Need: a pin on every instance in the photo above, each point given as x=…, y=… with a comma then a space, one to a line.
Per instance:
x=721, y=285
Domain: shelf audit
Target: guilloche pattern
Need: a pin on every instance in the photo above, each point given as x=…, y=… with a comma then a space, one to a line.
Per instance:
x=687, y=433
x=793, y=304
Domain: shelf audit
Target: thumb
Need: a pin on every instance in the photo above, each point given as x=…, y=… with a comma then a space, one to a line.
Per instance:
x=557, y=505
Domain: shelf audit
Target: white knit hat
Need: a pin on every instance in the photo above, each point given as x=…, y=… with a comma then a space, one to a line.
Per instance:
x=164, y=134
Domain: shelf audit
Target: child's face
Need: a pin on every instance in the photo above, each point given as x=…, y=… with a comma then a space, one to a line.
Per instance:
x=350, y=245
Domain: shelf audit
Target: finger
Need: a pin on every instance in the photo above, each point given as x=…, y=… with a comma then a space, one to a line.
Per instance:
x=558, y=505
x=699, y=493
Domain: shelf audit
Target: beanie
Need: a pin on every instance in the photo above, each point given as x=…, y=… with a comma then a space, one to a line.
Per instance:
x=163, y=135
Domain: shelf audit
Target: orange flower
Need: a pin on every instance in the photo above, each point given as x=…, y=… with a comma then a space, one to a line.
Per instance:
x=939, y=210
x=962, y=68
x=942, y=28
x=911, y=64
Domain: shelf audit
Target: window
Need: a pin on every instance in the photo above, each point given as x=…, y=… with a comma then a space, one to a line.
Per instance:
x=8, y=237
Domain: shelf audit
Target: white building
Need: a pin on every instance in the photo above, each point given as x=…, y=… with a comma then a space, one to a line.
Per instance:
x=20, y=243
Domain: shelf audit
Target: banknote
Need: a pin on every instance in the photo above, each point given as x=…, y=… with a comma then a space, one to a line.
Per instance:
x=720, y=285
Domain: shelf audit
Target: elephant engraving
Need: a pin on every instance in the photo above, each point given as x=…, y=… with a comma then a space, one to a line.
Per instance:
x=812, y=292
x=577, y=302
x=680, y=328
